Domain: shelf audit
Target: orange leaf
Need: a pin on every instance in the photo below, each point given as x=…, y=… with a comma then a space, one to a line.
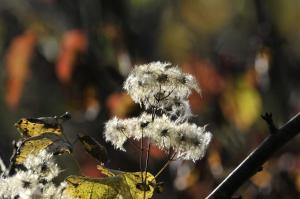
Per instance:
x=17, y=60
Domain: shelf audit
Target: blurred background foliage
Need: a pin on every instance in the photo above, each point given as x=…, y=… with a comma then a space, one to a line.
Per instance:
x=62, y=55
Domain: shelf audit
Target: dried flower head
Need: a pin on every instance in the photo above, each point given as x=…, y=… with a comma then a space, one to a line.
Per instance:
x=156, y=83
x=162, y=90
x=187, y=140
x=43, y=164
x=35, y=181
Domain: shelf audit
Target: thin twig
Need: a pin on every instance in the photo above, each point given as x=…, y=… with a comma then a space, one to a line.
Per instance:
x=129, y=140
x=146, y=167
x=149, y=145
x=147, y=99
x=164, y=166
x=253, y=163
x=166, y=96
x=141, y=155
x=147, y=157
x=148, y=153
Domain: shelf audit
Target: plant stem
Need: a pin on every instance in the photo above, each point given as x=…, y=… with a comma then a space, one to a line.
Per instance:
x=253, y=163
x=141, y=156
x=146, y=166
x=147, y=157
x=164, y=166
x=130, y=142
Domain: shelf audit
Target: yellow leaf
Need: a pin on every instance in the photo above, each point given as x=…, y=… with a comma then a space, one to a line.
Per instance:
x=50, y=142
x=31, y=147
x=90, y=188
x=30, y=127
x=133, y=180
x=241, y=103
x=126, y=185
x=105, y=171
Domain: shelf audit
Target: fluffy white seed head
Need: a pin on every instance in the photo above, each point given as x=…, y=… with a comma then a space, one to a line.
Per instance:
x=35, y=181
x=188, y=141
x=156, y=83
x=117, y=131
x=163, y=89
x=43, y=164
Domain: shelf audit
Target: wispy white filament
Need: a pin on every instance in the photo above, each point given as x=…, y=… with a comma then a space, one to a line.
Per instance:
x=2, y=166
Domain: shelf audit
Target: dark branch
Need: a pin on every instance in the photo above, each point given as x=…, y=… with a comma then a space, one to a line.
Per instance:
x=268, y=118
x=253, y=163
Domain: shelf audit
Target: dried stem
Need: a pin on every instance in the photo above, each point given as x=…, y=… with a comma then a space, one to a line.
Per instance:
x=141, y=155
x=131, y=142
x=146, y=166
x=254, y=162
x=164, y=166
x=147, y=157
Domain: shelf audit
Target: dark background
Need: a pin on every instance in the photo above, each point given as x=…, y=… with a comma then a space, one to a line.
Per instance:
x=72, y=55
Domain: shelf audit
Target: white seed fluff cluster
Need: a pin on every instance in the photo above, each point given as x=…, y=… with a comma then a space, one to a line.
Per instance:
x=158, y=84
x=162, y=89
x=187, y=140
x=35, y=181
